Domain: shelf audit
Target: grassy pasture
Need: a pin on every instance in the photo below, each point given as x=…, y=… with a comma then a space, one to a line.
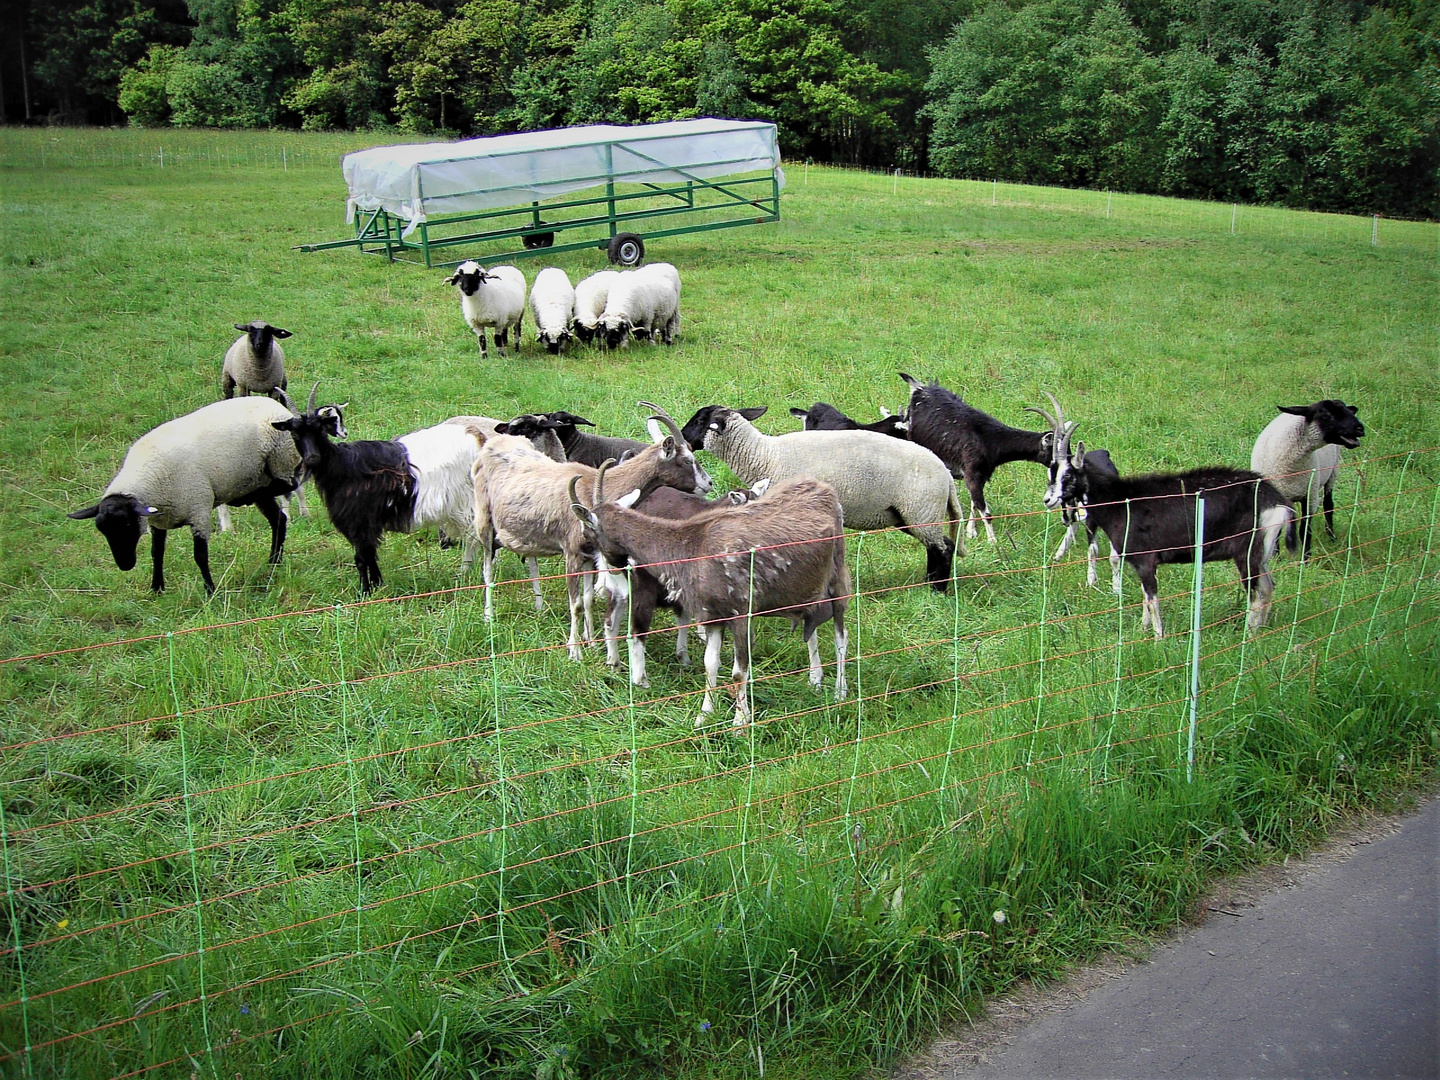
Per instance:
x=385, y=839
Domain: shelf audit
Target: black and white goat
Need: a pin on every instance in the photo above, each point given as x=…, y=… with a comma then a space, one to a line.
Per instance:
x=635, y=593
x=781, y=555
x=1299, y=452
x=371, y=487
x=972, y=443
x=822, y=416
x=1150, y=519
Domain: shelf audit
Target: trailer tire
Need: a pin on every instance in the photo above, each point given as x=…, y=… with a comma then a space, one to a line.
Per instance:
x=538, y=240
x=626, y=249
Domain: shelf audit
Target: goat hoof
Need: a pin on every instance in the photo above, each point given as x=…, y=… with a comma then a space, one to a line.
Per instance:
x=576, y=653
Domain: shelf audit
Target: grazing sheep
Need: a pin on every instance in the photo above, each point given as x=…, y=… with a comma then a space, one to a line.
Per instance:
x=494, y=297
x=782, y=555
x=642, y=303
x=1299, y=452
x=521, y=502
x=1151, y=519
x=881, y=482
x=588, y=449
x=552, y=302
x=255, y=363
x=372, y=487
x=822, y=416
x=175, y=475
x=590, y=297
x=972, y=443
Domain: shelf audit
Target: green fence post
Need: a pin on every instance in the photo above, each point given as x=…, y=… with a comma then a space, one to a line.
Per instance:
x=1195, y=633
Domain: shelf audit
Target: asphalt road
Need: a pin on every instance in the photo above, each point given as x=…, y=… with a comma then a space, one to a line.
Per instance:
x=1334, y=976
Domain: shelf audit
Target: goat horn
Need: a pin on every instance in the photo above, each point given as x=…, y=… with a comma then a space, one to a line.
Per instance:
x=310, y=405
x=1048, y=418
x=664, y=417
x=574, y=495
x=600, y=480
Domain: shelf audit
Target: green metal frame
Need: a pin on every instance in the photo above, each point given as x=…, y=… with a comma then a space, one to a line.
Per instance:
x=378, y=232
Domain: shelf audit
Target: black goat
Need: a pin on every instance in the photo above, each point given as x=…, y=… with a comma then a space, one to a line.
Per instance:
x=822, y=416
x=1097, y=461
x=1151, y=519
x=582, y=446
x=971, y=443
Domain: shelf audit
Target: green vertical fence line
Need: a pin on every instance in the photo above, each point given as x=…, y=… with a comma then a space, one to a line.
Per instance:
x=1195, y=605
x=859, y=709
x=1389, y=550
x=955, y=680
x=190, y=843
x=1044, y=607
x=1119, y=646
x=1424, y=559
x=504, y=812
x=1345, y=577
x=755, y=1040
x=15, y=928
x=350, y=779
x=630, y=713
x=1245, y=625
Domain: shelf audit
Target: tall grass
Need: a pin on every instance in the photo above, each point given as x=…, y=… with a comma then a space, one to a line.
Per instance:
x=389, y=840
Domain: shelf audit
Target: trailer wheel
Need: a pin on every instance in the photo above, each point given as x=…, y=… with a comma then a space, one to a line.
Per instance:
x=626, y=249
x=538, y=240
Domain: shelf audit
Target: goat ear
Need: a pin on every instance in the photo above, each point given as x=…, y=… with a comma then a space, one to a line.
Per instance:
x=760, y=487
x=658, y=434
x=1307, y=411
x=754, y=414
x=283, y=425
x=86, y=514
x=1354, y=409
x=629, y=499
x=911, y=381
x=668, y=448
x=586, y=516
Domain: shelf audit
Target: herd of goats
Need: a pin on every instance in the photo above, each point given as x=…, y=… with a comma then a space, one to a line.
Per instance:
x=636, y=513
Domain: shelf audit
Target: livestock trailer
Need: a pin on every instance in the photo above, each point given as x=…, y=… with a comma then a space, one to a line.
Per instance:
x=429, y=199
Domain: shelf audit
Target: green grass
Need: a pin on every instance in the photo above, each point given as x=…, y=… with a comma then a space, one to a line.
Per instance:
x=404, y=858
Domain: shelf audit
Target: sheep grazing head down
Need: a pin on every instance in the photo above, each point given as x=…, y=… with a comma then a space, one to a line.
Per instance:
x=712, y=420
x=469, y=276
x=120, y=519
x=553, y=339
x=261, y=334
x=1338, y=423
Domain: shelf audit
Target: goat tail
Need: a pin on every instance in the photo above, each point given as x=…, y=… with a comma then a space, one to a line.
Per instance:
x=480, y=433
x=1274, y=521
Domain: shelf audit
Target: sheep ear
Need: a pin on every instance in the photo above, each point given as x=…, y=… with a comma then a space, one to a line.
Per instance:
x=1306, y=411
x=799, y=414
x=280, y=333
x=284, y=425
x=1354, y=409
x=629, y=499
x=452, y=279
x=754, y=414
x=242, y=328
x=86, y=514
x=146, y=511
x=503, y=428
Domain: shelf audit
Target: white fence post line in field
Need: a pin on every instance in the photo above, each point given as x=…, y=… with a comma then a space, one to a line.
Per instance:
x=162, y=157
x=284, y=160
x=1107, y=204
x=1375, y=232
x=1195, y=633
x=896, y=189
x=994, y=191
x=1234, y=209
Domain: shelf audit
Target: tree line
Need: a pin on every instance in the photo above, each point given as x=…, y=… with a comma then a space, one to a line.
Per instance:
x=1331, y=104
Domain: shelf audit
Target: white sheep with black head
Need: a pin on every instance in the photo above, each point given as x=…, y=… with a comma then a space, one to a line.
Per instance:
x=491, y=298
x=1299, y=453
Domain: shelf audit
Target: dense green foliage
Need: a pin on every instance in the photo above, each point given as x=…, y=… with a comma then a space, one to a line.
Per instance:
x=1320, y=103
x=419, y=862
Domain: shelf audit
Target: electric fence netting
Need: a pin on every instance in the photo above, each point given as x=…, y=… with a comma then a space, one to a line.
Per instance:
x=208, y=862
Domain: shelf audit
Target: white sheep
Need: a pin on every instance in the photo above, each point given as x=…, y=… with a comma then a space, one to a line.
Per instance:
x=642, y=303
x=494, y=297
x=255, y=363
x=552, y=302
x=175, y=475
x=1299, y=453
x=590, y=297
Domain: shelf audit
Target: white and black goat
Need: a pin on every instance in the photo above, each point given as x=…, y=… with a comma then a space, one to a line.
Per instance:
x=782, y=555
x=521, y=501
x=585, y=447
x=1299, y=452
x=371, y=487
x=972, y=443
x=635, y=593
x=1150, y=519
x=822, y=416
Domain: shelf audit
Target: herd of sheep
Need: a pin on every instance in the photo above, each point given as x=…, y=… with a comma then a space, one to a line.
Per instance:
x=635, y=514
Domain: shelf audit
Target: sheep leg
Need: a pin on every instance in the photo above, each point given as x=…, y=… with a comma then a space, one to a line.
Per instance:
x=713, y=636
x=222, y=518
x=271, y=509
x=1328, y=499
x=1303, y=524
x=227, y=385
x=202, y=560
x=480, y=333
x=157, y=559
x=939, y=560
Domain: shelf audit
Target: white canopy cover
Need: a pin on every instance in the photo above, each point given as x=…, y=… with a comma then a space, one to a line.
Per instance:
x=416, y=180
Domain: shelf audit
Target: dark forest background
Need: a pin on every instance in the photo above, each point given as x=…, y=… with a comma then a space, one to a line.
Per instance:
x=1324, y=104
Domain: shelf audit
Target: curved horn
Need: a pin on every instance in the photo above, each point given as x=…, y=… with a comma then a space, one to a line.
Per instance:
x=600, y=480
x=574, y=496
x=1048, y=418
x=310, y=405
x=1059, y=412
x=664, y=417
